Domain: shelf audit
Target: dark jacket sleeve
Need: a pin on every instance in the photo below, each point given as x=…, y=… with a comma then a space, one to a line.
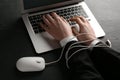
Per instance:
x=80, y=65
x=107, y=62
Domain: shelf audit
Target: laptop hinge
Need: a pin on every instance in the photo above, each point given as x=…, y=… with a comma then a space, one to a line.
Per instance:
x=52, y=8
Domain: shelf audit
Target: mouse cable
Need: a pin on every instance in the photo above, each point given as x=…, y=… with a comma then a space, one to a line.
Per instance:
x=66, y=55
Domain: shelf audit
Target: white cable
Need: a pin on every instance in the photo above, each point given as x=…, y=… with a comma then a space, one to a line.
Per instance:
x=70, y=47
x=74, y=54
x=80, y=46
x=67, y=50
x=87, y=47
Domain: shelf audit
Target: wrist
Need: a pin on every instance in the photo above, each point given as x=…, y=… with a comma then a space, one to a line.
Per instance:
x=87, y=39
x=87, y=42
x=94, y=42
x=65, y=40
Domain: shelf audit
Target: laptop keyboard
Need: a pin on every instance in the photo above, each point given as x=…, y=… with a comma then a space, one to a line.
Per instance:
x=66, y=13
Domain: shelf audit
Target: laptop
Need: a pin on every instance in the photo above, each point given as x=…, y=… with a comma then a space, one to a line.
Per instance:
x=32, y=11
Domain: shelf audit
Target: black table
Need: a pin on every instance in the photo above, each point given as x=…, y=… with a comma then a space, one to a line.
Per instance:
x=15, y=42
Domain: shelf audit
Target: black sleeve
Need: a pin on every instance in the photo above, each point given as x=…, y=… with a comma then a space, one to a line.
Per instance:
x=107, y=62
x=80, y=65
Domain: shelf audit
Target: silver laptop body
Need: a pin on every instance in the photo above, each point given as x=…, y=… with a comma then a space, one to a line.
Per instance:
x=32, y=10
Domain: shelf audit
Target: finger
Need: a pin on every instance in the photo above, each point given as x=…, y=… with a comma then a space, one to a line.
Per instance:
x=49, y=17
x=77, y=19
x=43, y=26
x=87, y=21
x=75, y=32
x=55, y=16
x=64, y=20
x=82, y=18
x=46, y=21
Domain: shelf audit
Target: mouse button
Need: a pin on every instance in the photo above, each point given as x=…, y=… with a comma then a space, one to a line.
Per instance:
x=40, y=65
x=38, y=61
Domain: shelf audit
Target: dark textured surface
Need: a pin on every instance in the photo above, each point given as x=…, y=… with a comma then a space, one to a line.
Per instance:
x=15, y=42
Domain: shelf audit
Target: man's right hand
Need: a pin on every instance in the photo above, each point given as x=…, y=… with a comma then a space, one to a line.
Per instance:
x=86, y=32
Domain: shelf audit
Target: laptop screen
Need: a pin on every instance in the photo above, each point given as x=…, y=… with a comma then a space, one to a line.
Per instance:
x=29, y=4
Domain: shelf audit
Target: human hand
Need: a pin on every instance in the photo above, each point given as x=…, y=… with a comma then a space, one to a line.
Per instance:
x=57, y=26
x=86, y=32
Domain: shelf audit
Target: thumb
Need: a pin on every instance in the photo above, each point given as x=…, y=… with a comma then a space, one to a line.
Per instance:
x=75, y=32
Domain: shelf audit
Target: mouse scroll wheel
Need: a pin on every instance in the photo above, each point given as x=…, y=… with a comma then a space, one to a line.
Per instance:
x=38, y=61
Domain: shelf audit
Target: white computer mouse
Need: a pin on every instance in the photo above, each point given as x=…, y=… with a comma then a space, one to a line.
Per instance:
x=30, y=64
x=76, y=26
